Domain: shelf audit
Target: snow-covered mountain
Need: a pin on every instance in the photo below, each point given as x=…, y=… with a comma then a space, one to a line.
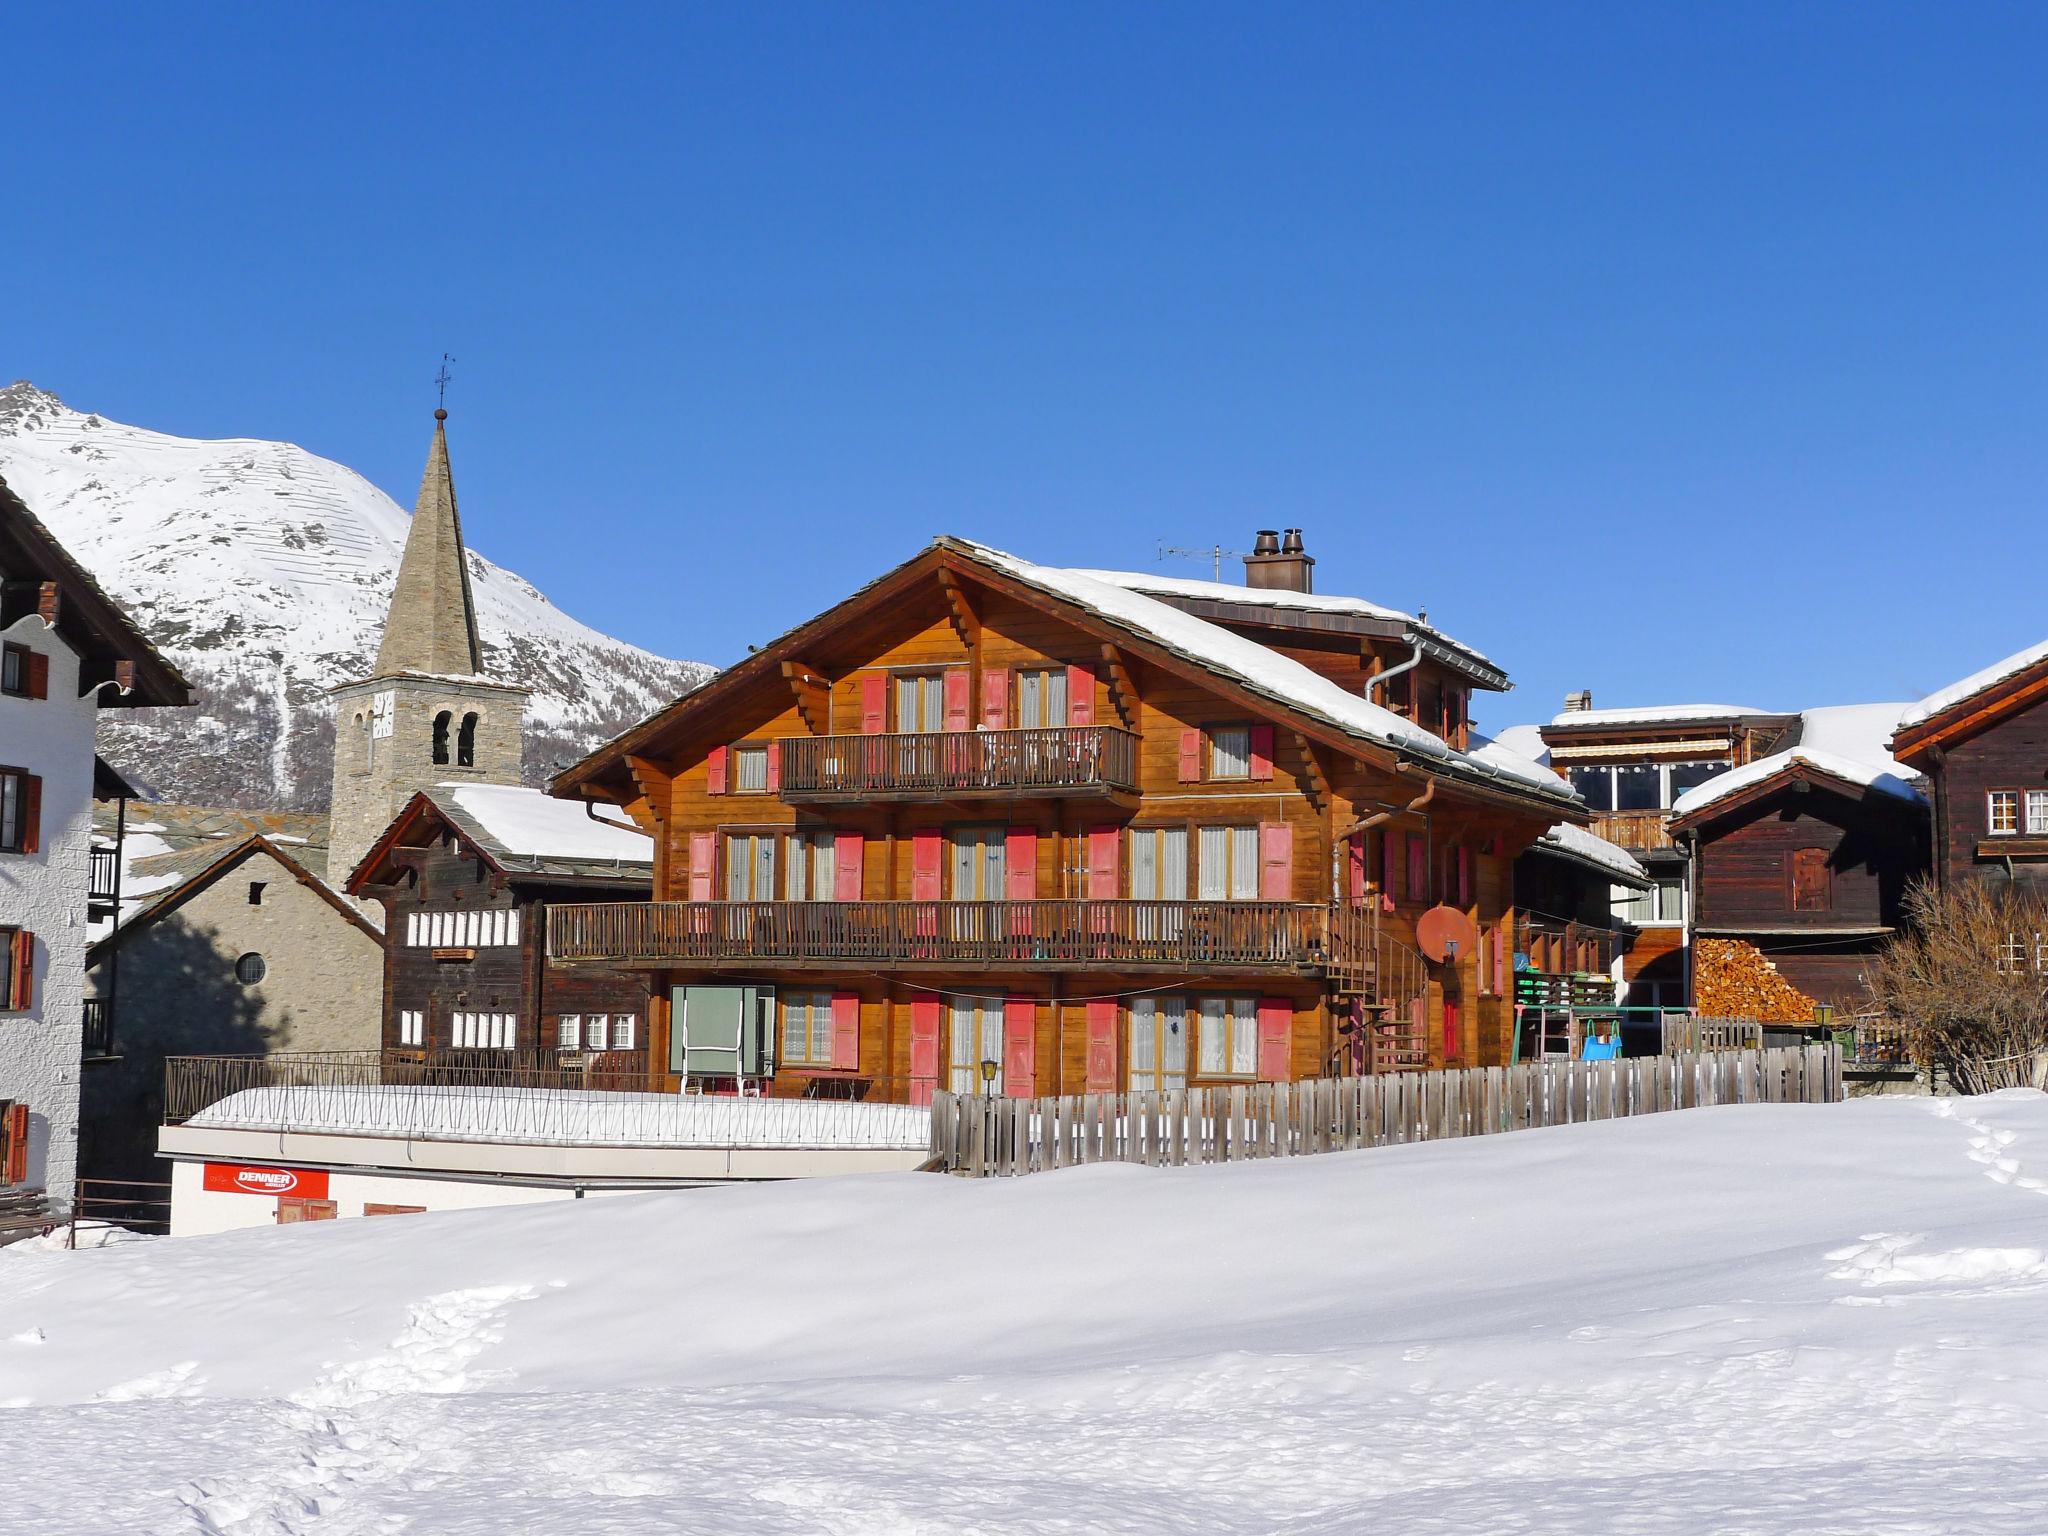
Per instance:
x=264, y=571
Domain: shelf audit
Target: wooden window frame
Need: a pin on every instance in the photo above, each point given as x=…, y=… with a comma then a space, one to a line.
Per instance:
x=1190, y=1052
x=733, y=756
x=809, y=1062
x=2030, y=801
x=1991, y=800
x=934, y=673
x=1198, y=1027
x=16, y=656
x=1209, y=773
x=1045, y=670
x=17, y=970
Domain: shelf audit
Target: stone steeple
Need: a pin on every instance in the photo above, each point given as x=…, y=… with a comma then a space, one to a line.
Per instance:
x=432, y=624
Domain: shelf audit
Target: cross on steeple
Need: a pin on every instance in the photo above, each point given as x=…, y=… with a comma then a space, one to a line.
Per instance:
x=441, y=382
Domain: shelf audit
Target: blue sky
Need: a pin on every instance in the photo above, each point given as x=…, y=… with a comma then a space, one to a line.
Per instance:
x=1672, y=353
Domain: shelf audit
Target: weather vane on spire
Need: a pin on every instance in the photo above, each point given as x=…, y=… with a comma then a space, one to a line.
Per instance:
x=441, y=381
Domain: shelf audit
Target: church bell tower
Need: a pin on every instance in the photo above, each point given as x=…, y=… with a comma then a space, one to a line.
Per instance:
x=428, y=715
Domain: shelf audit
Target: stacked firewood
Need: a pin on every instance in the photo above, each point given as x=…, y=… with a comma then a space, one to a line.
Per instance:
x=1736, y=980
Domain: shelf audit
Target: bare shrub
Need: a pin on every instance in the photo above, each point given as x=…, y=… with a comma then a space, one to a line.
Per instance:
x=1968, y=981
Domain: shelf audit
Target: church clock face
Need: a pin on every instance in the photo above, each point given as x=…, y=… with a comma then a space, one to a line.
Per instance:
x=383, y=711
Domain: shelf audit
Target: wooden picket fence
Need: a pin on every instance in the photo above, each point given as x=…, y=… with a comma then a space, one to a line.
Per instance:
x=986, y=1137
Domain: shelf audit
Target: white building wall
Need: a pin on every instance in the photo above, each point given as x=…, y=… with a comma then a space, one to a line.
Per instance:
x=44, y=892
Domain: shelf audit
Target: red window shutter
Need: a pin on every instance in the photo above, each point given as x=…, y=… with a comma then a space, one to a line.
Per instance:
x=1390, y=859
x=1190, y=757
x=1355, y=867
x=1276, y=1030
x=846, y=1031
x=22, y=989
x=1020, y=863
x=714, y=771
x=847, y=850
x=1102, y=872
x=38, y=675
x=1418, y=867
x=958, y=684
x=1464, y=876
x=774, y=766
x=1080, y=695
x=995, y=698
x=703, y=864
x=925, y=862
x=1262, y=751
x=874, y=704
x=1276, y=861
x=1101, y=1045
x=16, y=1170
x=1020, y=1048
x=1451, y=1041
x=31, y=813
x=924, y=1048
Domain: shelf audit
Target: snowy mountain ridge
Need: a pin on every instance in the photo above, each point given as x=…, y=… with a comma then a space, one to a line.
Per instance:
x=265, y=571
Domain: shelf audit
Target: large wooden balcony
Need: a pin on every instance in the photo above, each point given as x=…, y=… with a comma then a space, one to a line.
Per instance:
x=1637, y=831
x=1025, y=935
x=914, y=765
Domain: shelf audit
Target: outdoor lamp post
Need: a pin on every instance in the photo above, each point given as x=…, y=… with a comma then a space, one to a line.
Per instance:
x=988, y=1078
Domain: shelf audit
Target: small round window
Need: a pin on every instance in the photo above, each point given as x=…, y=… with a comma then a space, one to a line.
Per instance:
x=250, y=969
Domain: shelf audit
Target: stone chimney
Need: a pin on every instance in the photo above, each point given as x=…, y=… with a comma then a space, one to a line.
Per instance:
x=1578, y=701
x=1279, y=562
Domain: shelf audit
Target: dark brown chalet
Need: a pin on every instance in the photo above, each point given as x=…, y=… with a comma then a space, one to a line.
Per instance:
x=1074, y=830
x=1806, y=854
x=466, y=876
x=1983, y=745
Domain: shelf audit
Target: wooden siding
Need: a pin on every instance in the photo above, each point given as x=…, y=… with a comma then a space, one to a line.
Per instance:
x=1744, y=870
x=2009, y=754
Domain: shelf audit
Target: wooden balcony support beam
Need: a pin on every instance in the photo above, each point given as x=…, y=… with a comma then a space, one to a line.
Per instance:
x=1123, y=690
x=966, y=623
x=1313, y=779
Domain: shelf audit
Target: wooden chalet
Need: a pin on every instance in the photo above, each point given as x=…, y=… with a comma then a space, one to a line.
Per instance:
x=1983, y=745
x=466, y=875
x=1801, y=861
x=1630, y=766
x=995, y=826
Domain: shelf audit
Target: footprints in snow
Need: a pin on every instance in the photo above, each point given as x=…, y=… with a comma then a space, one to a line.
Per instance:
x=1888, y=1262
x=1992, y=1148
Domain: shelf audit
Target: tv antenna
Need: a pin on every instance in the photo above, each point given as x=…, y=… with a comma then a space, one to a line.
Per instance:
x=1216, y=553
x=443, y=378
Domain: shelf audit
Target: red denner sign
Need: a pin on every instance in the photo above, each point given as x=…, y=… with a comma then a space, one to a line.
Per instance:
x=245, y=1179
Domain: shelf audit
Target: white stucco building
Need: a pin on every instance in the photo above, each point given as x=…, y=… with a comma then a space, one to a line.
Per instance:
x=67, y=651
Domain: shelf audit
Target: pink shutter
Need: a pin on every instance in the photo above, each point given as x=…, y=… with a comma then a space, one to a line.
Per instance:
x=38, y=675
x=1080, y=695
x=995, y=698
x=1020, y=1048
x=774, y=766
x=1102, y=872
x=958, y=684
x=925, y=859
x=1451, y=1041
x=1276, y=1028
x=1190, y=757
x=1020, y=863
x=703, y=862
x=14, y=1169
x=874, y=703
x=1390, y=865
x=846, y=1031
x=714, y=772
x=1355, y=863
x=924, y=1048
x=1464, y=876
x=1418, y=867
x=1276, y=861
x=1101, y=1045
x=847, y=849
x=1262, y=751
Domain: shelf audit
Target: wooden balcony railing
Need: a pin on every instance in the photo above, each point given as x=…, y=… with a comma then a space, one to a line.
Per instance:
x=103, y=876
x=1062, y=760
x=1637, y=831
x=1261, y=935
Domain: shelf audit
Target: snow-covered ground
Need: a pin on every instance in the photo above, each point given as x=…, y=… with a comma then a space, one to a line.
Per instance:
x=1749, y=1319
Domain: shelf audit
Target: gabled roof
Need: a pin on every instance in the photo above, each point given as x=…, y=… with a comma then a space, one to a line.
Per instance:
x=1840, y=748
x=1657, y=714
x=91, y=621
x=523, y=834
x=1181, y=641
x=199, y=872
x=1585, y=848
x=1966, y=706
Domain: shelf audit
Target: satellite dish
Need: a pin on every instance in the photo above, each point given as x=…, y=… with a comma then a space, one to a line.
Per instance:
x=1442, y=932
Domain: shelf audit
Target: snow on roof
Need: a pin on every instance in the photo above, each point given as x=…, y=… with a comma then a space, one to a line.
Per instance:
x=1527, y=740
x=1270, y=597
x=1845, y=741
x=1656, y=714
x=569, y=1117
x=1566, y=838
x=529, y=824
x=1946, y=699
x=1262, y=669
